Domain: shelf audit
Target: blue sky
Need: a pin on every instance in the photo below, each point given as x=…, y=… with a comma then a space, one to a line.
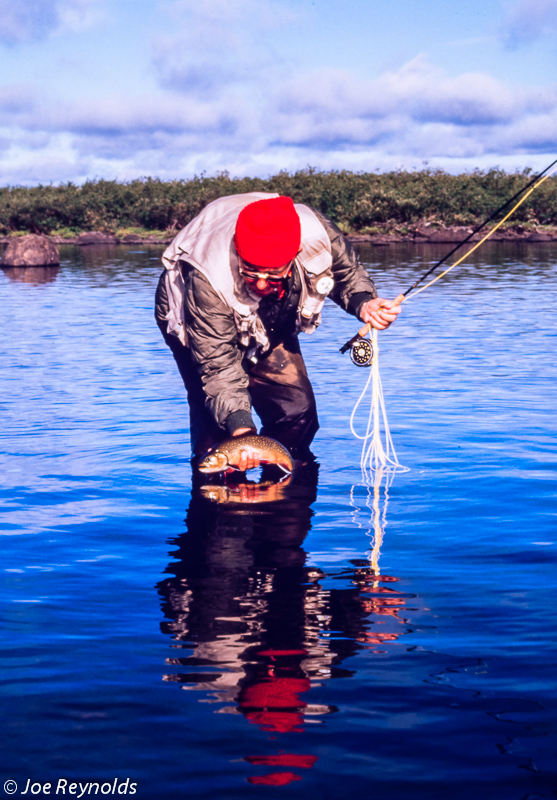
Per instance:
x=121, y=89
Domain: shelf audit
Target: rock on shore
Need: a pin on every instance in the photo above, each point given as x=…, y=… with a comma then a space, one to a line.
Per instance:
x=426, y=234
x=30, y=251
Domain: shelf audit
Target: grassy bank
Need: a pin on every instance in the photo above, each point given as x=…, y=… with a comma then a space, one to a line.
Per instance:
x=358, y=202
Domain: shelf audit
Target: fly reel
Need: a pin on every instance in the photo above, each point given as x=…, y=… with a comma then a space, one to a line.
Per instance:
x=361, y=353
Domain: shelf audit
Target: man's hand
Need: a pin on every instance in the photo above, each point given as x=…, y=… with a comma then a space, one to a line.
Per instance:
x=248, y=459
x=379, y=313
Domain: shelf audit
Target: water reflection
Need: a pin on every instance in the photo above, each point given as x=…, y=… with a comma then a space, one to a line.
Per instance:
x=261, y=628
x=375, y=485
x=33, y=275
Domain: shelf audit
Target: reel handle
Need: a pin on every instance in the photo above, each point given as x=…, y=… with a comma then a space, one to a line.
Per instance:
x=367, y=327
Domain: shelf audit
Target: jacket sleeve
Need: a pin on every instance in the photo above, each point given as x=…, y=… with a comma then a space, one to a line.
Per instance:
x=212, y=338
x=353, y=286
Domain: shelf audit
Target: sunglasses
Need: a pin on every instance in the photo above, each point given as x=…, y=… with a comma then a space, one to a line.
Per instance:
x=271, y=277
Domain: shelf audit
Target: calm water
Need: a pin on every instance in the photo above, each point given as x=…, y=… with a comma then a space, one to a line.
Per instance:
x=274, y=648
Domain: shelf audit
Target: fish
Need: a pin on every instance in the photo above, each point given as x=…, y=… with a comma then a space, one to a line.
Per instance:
x=226, y=455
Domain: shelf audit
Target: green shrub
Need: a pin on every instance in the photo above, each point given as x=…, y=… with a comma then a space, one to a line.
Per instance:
x=65, y=233
x=354, y=200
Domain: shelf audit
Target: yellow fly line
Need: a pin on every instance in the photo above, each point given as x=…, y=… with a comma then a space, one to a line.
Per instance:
x=485, y=238
x=378, y=458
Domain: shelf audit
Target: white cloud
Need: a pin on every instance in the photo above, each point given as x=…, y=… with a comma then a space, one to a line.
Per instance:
x=328, y=118
x=123, y=117
x=528, y=20
x=419, y=91
x=219, y=43
x=24, y=21
x=531, y=134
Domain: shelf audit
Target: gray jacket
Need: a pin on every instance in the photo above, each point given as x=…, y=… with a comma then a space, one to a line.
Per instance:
x=212, y=334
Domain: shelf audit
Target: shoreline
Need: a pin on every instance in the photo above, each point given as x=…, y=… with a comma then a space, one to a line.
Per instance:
x=89, y=238
x=421, y=234
x=429, y=234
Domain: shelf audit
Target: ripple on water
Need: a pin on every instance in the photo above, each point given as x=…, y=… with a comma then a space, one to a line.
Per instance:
x=330, y=641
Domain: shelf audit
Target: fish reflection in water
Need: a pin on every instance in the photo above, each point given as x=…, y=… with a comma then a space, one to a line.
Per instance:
x=247, y=492
x=261, y=628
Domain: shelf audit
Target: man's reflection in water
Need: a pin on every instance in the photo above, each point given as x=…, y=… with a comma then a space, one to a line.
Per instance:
x=261, y=628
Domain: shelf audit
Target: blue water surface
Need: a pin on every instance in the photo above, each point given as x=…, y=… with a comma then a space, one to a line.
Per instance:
x=292, y=647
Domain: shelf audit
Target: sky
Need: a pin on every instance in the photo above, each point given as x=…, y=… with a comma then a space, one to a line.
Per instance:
x=124, y=89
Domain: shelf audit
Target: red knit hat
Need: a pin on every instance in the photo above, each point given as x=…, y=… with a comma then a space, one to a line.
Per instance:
x=268, y=232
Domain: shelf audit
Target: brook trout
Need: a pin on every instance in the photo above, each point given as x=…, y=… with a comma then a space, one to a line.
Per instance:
x=226, y=455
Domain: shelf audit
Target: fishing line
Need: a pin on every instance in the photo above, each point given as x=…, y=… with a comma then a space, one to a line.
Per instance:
x=530, y=187
x=408, y=296
x=375, y=456
x=485, y=222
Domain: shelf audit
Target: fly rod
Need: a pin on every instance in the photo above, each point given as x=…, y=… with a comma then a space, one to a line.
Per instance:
x=525, y=191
